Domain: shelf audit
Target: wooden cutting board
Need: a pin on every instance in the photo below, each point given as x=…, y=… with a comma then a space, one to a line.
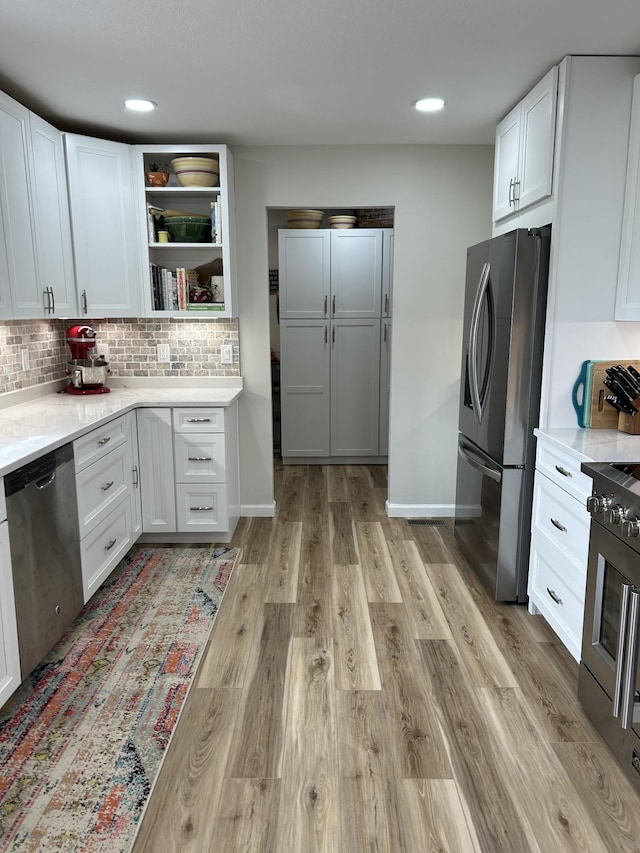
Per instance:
x=601, y=414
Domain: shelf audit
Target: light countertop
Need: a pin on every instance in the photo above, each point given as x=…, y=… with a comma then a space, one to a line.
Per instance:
x=31, y=427
x=594, y=445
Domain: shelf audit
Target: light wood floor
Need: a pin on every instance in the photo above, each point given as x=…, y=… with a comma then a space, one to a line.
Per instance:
x=361, y=692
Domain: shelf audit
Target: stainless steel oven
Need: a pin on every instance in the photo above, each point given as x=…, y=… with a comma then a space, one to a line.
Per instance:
x=609, y=683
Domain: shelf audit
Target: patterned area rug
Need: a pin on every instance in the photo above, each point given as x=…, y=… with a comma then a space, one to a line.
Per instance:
x=82, y=740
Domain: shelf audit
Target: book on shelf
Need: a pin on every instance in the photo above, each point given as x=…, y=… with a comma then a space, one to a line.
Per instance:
x=153, y=213
x=216, y=221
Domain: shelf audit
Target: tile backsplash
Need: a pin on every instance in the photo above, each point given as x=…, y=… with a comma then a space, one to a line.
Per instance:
x=194, y=348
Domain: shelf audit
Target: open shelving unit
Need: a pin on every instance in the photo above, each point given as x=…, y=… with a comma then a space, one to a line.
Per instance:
x=198, y=200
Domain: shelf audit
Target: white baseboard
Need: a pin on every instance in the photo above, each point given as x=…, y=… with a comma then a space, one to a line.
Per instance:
x=258, y=510
x=420, y=510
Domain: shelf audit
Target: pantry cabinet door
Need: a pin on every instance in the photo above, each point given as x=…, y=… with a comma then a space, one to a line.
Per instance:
x=304, y=258
x=628, y=290
x=304, y=387
x=356, y=273
x=355, y=387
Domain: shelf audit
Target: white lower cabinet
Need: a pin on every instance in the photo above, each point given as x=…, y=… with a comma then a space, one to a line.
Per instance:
x=106, y=477
x=9, y=654
x=155, y=443
x=559, y=544
x=189, y=471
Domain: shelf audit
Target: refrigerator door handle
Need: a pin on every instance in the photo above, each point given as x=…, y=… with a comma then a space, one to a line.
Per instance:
x=474, y=384
x=478, y=460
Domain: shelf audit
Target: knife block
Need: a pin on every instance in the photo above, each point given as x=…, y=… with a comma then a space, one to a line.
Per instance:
x=630, y=423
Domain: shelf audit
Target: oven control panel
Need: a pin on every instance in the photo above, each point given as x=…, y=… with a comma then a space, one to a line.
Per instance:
x=615, y=502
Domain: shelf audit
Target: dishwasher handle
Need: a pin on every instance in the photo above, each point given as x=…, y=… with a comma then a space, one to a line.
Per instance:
x=41, y=472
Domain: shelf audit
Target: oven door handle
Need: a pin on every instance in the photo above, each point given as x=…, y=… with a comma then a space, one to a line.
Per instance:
x=631, y=663
x=622, y=639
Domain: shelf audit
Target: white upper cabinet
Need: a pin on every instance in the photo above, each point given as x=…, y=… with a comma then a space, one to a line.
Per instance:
x=52, y=221
x=19, y=266
x=628, y=291
x=36, y=275
x=105, y=229
x=523, y=171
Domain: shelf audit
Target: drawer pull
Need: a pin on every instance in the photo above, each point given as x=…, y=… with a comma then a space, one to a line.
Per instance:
x=557, y=525
x=199, y=459
x=563, y=471
x=554, y=596
x=198, y=420
x=105, y=440
x=106, y=486
x=201, y=508
x=110, y=545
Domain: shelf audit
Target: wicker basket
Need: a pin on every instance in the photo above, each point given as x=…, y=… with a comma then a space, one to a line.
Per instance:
x=375, y=217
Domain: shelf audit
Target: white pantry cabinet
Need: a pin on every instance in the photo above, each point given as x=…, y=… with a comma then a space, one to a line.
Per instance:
x=105, y=230
x=559, y=544
x=335, y=286
x=385, y=384
x=36, y=270
x=523, y=170
x=628, y=290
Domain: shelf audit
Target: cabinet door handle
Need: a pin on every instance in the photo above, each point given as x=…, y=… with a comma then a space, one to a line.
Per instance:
x=510, y=192
x=53, y=300
x=105, y=440
x=516, y=196
x=558, y=526
x=554, y=596
x=83, y=301
x=198, y=420
x=333, y=303
x=333, y=335
x=326, y=334
x=110, y=545
x=106, y=486
x=563, y=471
x=136, y=476
x=384, y=337
x=386, y=303
x=201, y=509
x=200, y=459
x=325, y=304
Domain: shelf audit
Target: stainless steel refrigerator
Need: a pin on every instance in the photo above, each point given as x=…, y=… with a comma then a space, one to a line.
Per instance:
x=504, y=316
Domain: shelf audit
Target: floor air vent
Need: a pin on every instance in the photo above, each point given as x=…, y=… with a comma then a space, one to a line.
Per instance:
x=432, y=522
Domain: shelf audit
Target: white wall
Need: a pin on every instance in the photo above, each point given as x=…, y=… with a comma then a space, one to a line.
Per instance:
x=442, y=201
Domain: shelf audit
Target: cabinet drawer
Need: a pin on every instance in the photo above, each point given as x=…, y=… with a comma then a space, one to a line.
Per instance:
x=95, y=444
x=202, y=508
x=563, y=470
x=103, y=548
x=198, y=420
x=562, y=519
x=558, y=591
x=199, y=457
x=100, y=486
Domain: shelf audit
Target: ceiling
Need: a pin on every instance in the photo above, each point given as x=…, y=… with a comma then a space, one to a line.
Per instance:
x=295, y=72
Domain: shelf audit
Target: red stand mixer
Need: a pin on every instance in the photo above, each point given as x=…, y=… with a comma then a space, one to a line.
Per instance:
x=87, y=371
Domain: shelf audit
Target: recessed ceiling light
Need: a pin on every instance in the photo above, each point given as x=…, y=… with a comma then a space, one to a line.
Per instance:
x=140, y=105
x=429, y=105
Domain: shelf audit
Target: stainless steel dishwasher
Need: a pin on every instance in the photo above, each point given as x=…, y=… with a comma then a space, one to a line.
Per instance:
x=45, y=552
